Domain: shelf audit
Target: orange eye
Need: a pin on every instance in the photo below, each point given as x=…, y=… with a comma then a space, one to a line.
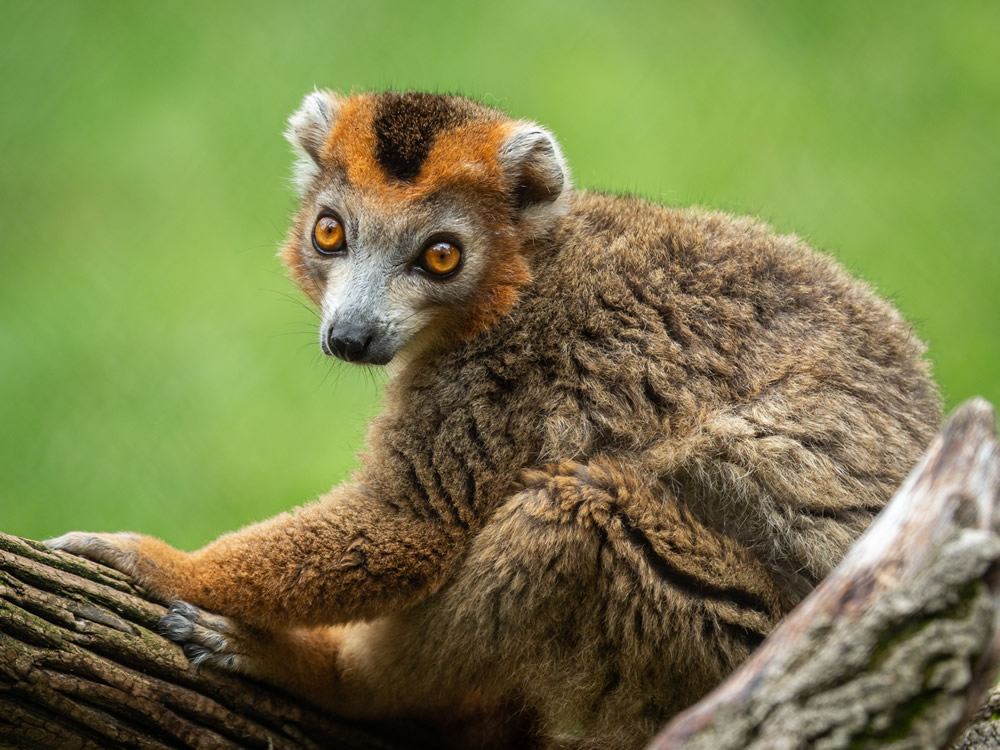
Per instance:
x=441, y=258
x=328, y=235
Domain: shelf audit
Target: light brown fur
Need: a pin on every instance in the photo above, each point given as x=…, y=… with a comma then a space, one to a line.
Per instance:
x=596, y=484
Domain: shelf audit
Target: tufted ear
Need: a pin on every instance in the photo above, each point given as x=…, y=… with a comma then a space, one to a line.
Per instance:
x=308, y=129
x=539, y=175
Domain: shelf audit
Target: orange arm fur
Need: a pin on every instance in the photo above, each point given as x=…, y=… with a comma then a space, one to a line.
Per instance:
x=346, y=557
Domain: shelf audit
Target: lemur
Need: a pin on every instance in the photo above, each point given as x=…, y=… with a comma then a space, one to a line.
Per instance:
x=619, y=440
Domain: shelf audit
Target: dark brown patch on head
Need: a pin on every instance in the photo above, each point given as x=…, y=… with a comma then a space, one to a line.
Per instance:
x=406, y=125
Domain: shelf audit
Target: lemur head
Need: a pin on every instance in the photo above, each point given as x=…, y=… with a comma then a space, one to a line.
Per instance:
x=419, y=217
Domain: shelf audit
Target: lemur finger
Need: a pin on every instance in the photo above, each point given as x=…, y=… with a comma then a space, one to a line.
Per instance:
x=186, y=623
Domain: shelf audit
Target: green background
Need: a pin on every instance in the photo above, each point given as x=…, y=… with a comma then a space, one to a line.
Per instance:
x=157, y=372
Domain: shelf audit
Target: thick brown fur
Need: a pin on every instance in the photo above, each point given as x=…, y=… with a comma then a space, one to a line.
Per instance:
x=600, y=478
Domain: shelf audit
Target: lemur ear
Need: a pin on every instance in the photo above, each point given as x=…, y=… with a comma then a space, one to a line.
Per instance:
x=539, y=175
x=308, y=129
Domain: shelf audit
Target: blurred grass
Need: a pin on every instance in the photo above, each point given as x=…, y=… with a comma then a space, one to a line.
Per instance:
x=155, y=376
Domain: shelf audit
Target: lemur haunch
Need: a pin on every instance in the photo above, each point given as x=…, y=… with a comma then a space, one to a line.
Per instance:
x=619, y=442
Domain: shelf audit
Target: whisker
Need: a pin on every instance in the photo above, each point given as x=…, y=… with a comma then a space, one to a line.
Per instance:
x=283, y=334
x=287, y=297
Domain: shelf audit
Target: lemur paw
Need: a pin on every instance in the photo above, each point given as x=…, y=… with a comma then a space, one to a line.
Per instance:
x=206, y=638
x=116, y=550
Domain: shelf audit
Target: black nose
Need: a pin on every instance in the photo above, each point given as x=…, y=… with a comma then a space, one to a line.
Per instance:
x=350, y=346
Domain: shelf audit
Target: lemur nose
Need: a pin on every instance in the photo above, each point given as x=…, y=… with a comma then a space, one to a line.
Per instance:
x=348, y=346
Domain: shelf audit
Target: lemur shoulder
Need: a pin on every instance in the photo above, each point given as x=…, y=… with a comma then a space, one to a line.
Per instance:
x=620, y=440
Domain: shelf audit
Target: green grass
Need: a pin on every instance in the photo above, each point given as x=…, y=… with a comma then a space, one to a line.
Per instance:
x=155, y=376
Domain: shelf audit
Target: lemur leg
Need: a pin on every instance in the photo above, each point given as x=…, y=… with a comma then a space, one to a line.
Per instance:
x=346, y=557
x=590, y=586
x=602, y=597
x=794, y=486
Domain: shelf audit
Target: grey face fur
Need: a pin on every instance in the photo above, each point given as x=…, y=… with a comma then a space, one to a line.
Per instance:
x=376, y=302
x=375, y=293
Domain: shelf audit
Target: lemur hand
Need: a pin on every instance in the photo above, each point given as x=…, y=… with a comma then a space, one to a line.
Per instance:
x=155, y=565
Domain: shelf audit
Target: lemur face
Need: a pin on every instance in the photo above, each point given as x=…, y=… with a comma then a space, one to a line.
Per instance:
x=418, y=219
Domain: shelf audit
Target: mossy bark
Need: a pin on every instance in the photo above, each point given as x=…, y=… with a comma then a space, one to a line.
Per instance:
x=81, y=666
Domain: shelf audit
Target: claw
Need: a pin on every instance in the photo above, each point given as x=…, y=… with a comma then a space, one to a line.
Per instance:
x=196, y=654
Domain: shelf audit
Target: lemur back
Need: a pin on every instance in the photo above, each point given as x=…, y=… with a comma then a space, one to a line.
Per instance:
x=619, y=442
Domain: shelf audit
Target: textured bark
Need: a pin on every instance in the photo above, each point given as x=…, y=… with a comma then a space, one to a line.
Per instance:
x=82, y=667
x=899, y=645
x=984, y=731
x=896, y=649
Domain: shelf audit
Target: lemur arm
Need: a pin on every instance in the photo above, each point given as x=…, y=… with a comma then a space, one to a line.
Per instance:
x=346, y=557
